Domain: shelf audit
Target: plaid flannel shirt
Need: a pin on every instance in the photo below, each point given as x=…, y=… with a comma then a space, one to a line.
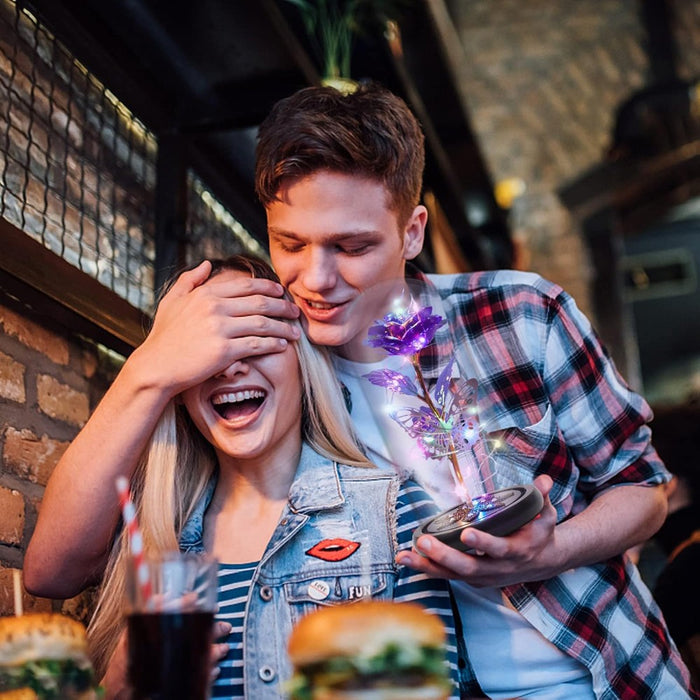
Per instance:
x=548, y=390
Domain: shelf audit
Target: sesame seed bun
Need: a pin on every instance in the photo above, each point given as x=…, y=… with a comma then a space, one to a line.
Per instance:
x=41, y=636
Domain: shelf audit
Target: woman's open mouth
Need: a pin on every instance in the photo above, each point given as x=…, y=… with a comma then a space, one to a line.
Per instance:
x=234, y=405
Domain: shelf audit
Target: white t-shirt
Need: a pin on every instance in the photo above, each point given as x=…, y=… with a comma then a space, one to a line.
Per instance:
x=509, y=656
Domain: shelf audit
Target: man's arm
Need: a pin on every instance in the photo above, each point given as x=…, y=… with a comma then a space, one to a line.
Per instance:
x=198, y=331
x=619, y=518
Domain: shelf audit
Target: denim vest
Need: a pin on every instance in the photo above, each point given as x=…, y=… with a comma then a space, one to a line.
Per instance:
x=327, y=501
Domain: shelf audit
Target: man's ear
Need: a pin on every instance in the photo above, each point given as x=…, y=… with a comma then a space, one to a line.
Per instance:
x=414, y=233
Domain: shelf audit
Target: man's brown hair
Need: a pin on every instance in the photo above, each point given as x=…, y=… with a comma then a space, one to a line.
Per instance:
x=369, y=132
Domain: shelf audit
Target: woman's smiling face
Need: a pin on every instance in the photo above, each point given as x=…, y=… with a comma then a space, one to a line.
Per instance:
x=253, y=408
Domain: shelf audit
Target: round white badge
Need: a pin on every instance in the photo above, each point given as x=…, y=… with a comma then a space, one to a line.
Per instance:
x=319, y=590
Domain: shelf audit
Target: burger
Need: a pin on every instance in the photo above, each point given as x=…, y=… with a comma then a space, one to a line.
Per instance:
x=19, y=694
x=374, y=650
x=44, y=654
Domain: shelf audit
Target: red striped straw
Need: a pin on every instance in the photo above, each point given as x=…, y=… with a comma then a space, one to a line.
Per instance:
x=135, y=538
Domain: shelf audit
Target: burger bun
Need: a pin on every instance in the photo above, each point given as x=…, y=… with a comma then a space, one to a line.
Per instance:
x=363, y=628
x=425, y=692
x=41, y=636
x=19, y=694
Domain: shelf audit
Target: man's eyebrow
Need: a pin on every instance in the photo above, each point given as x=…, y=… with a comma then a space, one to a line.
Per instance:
x=326, y=238
x=272, y=231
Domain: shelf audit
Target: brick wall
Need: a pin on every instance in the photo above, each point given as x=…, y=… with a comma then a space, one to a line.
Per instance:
x=49, y=383
x=77, y=172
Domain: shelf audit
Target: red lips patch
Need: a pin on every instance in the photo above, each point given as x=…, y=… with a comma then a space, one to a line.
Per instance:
x=336, y=549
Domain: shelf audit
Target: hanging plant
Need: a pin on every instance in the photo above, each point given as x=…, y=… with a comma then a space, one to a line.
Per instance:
x=333, y=24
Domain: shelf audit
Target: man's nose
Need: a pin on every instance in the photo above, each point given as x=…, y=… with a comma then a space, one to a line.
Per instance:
x=319, y=271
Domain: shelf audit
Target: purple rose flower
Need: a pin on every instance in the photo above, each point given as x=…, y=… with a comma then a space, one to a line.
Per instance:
x=405, y=333
x=436, y=436
x=439, y=427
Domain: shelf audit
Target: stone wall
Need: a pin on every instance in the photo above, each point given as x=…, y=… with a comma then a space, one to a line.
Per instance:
x=542, y=80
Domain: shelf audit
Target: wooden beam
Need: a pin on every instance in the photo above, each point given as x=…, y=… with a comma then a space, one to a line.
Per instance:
x=54, y=288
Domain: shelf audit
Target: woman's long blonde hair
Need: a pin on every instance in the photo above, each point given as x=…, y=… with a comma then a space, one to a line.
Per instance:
x=178, y=463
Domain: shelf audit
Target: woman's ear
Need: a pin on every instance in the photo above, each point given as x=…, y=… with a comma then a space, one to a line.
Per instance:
x=414, y=232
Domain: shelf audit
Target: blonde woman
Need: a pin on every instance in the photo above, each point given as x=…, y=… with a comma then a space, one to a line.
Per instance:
x=257, y=464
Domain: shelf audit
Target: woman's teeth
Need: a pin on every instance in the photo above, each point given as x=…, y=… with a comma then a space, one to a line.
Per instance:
x=237, y=396
x=234, y=405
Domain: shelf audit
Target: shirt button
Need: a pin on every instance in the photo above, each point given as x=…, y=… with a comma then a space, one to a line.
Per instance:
x=267, y=674
x=266, y=593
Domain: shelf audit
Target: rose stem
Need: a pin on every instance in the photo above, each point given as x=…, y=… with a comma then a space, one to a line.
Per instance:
x=453, y=450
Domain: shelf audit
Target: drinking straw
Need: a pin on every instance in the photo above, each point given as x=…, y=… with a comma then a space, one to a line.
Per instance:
x=17, y=582
x=135, y=538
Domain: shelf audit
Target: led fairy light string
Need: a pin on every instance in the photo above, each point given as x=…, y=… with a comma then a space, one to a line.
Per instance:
x=435, y=425
x=143, y=578
x=447, y=424
x=482, y=448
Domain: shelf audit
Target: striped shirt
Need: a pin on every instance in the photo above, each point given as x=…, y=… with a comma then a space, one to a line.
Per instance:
x=234, y=582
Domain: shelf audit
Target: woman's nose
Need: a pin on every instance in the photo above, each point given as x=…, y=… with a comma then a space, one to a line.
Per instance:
x=238, y=367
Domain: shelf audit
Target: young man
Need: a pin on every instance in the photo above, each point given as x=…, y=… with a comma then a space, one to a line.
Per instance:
x=551, y=611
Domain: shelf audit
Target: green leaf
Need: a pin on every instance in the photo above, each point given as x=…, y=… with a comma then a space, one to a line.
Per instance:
x=332, y=24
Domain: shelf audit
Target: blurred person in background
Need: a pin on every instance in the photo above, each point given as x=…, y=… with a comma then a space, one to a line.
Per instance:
x=677, y=587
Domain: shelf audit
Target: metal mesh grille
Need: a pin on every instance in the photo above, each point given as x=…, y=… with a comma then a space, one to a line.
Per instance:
x=212, y=231
x=77, y=169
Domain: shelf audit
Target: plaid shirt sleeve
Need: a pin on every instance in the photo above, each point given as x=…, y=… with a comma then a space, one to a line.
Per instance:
x=604, y=422
x=536, y=352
